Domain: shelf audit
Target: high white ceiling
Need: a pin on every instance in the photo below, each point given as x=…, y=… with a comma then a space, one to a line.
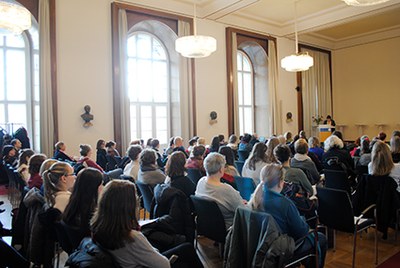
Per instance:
x=327, y=23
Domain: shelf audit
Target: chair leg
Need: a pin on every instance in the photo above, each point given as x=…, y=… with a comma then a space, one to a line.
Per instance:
x=354, y=249
x=376, y=245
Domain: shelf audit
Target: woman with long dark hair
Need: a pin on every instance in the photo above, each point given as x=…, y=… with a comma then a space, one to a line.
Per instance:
x=83, y=200
x=256, y=161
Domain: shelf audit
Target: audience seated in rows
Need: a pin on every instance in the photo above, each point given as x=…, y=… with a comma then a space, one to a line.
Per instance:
x=334, y=150
x=101, y=154
x=35, y=179
x=271, y=144
x=267, y=198
x=60, y=152
x=195, y=161
x=314, y=147
x=365, y=151
x=230, y=170
x=210, y=186
x=22, y=167
x=395, y=148
x=115, y=227
x=9, y=155
x=214, y=145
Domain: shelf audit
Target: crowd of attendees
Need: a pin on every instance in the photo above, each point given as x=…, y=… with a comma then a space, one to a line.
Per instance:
x=73, y=186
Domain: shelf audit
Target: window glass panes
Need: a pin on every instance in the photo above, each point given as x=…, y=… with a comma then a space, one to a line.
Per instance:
x=1, y=74
x=241, y=125
x=247, y=89
x=15, y=41
x=2, y=114
x=240, y=89
x=36, y=77
x=144, y=46
x=246, y=65
x=148, y=87
x=248, y=120
x=239, y=59
x=158, y=50
x=15, y=75
x=132, y=46
x=17, y=114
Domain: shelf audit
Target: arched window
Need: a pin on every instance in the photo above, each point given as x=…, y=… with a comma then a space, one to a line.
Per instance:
x=19, y=84
x=148, y=87
x=245, y=93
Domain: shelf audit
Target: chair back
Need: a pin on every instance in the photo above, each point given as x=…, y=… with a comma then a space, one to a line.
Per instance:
x=335, y=209
x=361, y=169
x=209, y=219
x=337, y=179
x=245, y=186
x=239, y=166
x=243, y=155
x=194, y=175
x=147, y=193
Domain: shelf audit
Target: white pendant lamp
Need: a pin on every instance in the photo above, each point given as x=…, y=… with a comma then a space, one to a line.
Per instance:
x=300, y=61
x=195, y=46
x=364, y=2
x=14, y=18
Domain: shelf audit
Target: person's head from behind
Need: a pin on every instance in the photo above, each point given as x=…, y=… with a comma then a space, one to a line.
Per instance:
x=59, y=177
x=364, y=145
x=24, y=157
x=396, y=133
x=228, y=153
x=17, y=144
x=147, y=158
x=133, y=152
x=271, y=177
x=60, y=146
x=175, y=166
x=282, y=153
x=214, y=164
x=101, y=144
x=201, y=141
x=338, y=134
x=271, y=144
x=381, y=159
x=46, y=165
x=116, y=215
x=258, y=152
x=85, y=150
x=313, y=142
x=301, y=146
x=332, y=142
x=246, y=138
x=214, y=143
x=282, y=139
x=35, y=163
x=193, y=141
x=221, y=138
x=382, y=136
x=8, y=151
x=154, y=144
x=302, y=135
x=178, y=141
x=198, y=152
x=395, y=144
x=84, y=196
x=111, y=144
x=232, y=139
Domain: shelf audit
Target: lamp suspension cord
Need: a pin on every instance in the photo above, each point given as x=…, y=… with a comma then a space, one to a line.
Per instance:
x=194, y=19
x=295, y=27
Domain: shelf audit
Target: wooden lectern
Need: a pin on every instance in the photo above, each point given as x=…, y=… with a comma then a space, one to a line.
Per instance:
x=325, y=131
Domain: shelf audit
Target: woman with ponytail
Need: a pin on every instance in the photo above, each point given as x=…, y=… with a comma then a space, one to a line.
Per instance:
x=58, y=181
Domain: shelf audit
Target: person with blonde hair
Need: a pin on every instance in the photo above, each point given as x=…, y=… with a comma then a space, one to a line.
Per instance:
x=271, y=144
x=382, y=163
x=58, y=182
x=315, y=147
x=268, y=198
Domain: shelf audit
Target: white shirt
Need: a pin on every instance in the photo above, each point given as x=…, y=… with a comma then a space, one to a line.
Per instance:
x=132, y=169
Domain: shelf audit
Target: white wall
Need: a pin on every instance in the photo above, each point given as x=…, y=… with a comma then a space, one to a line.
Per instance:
x=84, y=70
x=85, y=75
x=366, y=87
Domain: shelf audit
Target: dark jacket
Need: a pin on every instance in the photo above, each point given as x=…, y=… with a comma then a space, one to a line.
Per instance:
x=59, y=155
x=184, y=184
x=379, y=190
x=252, y=242
x=101, y=158
x=342, y=155
x=173, y=202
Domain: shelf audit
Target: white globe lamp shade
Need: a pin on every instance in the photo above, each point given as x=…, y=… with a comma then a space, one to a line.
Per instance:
x=196, y=46
x=297, y=62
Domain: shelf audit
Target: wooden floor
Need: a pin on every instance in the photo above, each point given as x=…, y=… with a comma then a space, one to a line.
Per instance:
x=340, y=258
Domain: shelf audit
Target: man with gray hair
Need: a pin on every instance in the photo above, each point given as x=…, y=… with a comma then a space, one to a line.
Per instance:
x=210, y=186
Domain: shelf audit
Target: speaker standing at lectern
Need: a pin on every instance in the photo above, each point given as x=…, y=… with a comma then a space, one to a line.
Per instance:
x=329, y=121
